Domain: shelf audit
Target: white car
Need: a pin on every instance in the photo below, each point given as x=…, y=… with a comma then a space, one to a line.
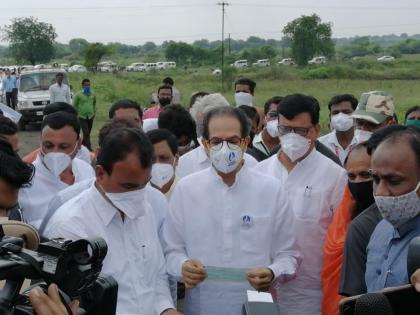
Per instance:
x=262, y=63
x=136, y=67
x=107, y=66
x=151, y=66
x=240, y=64
x=216, y=72
x=286, y=62
x=318, y=60
x=77, y=68
x=386, y=59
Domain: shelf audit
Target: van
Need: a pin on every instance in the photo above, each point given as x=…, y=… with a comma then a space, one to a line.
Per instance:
x=33, y=93
x=318, y=60
x=240, y=64
x=262, y=63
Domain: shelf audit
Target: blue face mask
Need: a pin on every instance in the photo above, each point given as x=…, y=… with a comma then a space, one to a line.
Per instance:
x=86, y=90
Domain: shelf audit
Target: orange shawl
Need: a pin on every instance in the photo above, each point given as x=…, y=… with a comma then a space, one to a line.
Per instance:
x=333, y=254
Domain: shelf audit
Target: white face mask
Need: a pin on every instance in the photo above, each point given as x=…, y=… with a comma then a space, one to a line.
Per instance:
x=57, y=162
x=362, y=135
x=130, y=202
x=341, y=122
x=162, y=173
x=226, y=160
x=242, y=98
x=272, y=128
x=294, y=146
x=397, y=210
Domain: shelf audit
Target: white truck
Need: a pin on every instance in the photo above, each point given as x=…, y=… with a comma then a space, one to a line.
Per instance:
x=33, y=93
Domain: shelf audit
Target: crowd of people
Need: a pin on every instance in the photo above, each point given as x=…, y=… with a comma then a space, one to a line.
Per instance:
x=180, y=193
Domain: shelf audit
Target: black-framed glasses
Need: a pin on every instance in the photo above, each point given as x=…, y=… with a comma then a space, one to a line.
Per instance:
x=216, y=143
x=301, y=131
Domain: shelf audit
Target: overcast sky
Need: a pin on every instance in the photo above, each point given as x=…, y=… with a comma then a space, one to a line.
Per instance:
x=139, y=21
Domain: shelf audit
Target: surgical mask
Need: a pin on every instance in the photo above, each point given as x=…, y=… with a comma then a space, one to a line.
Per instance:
x=86, y=90
x=272, y=128
x=363, y=194
x=227, y=159
x=413, y=122
x=57, y=162
x=242, y=98
x=164, y=101
x=130, y=202
x=362, y=135
x=162, y=173
x=341, y=122
x=294, y=146
x=397, y=210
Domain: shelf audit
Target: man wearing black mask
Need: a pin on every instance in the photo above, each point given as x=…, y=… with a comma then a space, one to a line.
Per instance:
x=164, y=97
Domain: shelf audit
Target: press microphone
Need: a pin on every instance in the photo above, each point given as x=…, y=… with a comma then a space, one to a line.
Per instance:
x=373, y=304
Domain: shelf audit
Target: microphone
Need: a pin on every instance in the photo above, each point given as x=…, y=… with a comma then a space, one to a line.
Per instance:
x=373, y=304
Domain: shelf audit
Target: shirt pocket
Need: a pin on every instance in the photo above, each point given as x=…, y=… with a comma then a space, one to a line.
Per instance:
x=255, y=233
x=307, y=204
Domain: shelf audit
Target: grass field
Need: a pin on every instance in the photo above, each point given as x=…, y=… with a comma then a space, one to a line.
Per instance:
x=139, y=86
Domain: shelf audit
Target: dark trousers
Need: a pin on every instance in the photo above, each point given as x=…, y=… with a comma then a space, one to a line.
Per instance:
x=11, y=99
x=86, y=125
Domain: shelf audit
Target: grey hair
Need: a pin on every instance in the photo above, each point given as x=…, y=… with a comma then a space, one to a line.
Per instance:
x=205, y=104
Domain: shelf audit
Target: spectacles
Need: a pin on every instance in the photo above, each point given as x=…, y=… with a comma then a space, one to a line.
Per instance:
x=216, y=144
x=301, y=131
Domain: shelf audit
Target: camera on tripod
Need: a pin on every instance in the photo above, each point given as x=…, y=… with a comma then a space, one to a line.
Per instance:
x=74, y=266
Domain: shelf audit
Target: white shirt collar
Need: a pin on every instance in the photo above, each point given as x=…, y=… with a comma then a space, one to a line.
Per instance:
x=104, y=210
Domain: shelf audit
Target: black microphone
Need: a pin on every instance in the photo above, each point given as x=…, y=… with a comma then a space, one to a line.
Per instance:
x=373, y=304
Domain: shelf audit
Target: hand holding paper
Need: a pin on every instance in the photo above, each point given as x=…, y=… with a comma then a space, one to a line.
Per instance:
x=260, y=278
x=193, y=273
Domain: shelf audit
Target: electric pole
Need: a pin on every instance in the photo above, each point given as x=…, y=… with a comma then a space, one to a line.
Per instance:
x=223, y=5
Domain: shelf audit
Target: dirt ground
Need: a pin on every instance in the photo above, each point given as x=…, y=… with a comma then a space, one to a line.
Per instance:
x=29, y=139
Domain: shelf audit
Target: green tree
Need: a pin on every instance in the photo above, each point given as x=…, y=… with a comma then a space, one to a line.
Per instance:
x=30, y=40
x=94, y=53
x=181, y=53
x=308, y=37
x=78, y=45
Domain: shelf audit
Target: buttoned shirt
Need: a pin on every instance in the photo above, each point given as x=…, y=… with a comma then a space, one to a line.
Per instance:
x=331, y=142
x=387, y=250
x=197, y=160
x=60, y=93
x=246, y=225
x=85, y=105
x=9, y=83
x=35, y=199
x=134, y=258
x=315, y=187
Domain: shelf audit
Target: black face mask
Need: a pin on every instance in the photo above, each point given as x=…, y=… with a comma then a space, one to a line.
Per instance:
x=362, y=194
x=164, y=101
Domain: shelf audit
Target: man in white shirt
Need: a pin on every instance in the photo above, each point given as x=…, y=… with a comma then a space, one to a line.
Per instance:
x=116, y=208
x=341, y=139
x=228, y=216
x=59, y=91
x=314, y=185
x=56, y=165
x=197, y=160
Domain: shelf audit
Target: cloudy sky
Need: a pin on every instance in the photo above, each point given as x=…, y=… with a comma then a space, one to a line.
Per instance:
x=138, y=21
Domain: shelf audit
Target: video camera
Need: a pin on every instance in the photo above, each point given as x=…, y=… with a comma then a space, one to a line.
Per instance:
x=74, y=266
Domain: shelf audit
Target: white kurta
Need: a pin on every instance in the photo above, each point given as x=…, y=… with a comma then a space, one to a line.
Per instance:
x=134, y=258
x=196, y=160
x=331, y=142
x=314, y=187
x=35, y=199
x=206, y=222
x=60, y=93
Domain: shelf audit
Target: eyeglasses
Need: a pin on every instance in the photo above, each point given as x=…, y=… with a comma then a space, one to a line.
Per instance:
x=301, y=131
x=216, y=144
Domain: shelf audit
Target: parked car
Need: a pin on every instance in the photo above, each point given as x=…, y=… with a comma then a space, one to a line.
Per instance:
x=77, y=68
x=286, y=62
x=216, y=72
x=136, y=67
x=318, y=60
x=33, y=94
x=240, y=64
x=170, y=64
x=262, y=63
x=386, y=59
x=107, y=66
x=151, y=66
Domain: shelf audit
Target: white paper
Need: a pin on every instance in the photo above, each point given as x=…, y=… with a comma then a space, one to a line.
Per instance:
x=255, y=296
